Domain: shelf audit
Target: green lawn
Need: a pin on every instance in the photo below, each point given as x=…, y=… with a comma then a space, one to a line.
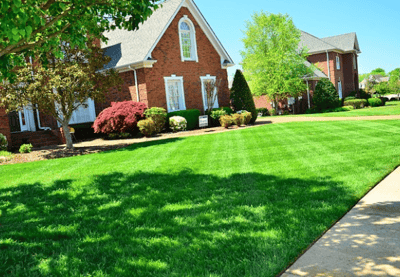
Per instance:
x=240, y=203
x=391, y=108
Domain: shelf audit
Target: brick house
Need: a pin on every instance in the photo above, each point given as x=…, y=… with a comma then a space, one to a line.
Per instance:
x=163, y=64
x=167, y=60
x=336, y=59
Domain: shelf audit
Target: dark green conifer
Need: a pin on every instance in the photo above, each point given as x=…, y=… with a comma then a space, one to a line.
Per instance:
x=241, y=97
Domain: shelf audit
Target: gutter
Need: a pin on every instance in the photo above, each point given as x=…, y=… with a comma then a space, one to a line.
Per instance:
x=136, y=83
x=329, y=67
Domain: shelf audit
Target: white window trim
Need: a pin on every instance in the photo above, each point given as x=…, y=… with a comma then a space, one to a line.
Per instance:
x=354, y=61
x=202, y=79
x=194, y=55
x=174, y=78
x=337, y=63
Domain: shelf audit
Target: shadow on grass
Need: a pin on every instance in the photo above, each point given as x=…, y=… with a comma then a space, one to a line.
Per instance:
x=60, y=151
x=147, y=224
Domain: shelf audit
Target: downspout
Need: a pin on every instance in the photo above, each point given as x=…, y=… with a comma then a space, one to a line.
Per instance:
x=329, y=67
x=136, y=84
x=37, y=110
x=308, y=94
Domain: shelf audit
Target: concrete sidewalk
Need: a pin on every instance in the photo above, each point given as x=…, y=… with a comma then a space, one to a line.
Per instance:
x=365, y=242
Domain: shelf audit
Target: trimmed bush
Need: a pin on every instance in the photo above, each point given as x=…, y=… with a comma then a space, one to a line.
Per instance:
x=226, y=121
x=25, y=148
x=241, y=96
x=147, y=127
x=121, y=117
x=246, y=117
x=191, y=116
x=177, y=123
x=356, y=103
x=159, y=117
x=343, y=109
x=237, y=119
x=325, y=95
x=3, y=142
x=262, y=111
x=375, y=102
x=228, y=110
x=217, y=114
x=350, y=98
x=384, y=100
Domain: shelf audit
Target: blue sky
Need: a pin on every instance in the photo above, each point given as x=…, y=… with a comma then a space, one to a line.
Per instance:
x=377, y=24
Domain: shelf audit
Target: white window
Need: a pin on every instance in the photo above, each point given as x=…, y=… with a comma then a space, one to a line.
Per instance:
x=354, y=61
x=174, y=93
x=337, y=62
x=207, y=81
x=187, y=40
x=340, y=89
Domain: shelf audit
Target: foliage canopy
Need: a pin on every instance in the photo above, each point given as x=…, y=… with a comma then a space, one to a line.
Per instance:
x=63, y=85
x=272, y=61
x=31, y=27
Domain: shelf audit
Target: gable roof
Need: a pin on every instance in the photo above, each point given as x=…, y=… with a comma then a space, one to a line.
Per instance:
x=136, y=46
x=341, y=43
x=316, y=74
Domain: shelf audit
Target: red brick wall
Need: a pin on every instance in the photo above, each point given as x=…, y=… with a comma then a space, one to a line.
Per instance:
x=5, y=126
x=346, y=74
x=168, y=56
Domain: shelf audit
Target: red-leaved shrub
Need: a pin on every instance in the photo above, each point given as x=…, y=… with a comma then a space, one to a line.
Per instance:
x=121, y=117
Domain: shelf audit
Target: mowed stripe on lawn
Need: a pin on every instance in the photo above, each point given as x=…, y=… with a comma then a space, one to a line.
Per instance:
x=241, y=203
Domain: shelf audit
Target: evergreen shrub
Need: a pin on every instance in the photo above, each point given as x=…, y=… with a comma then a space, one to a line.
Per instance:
x=325, y=95
x=159, y=117
x=262, y=111
x=226, y=121
x=25, y=148
x=241, y=97
x=3, y=142
x=356, y=103
x=191, y=116
x=177, y=123
x=375, y=102
x=121, y=117
x=147, y=127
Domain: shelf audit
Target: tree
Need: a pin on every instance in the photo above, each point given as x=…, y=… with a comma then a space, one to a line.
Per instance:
x=370, y=85
x=382, y=88
x=394, y=82
x=211, y=88
x=241, y=97
x=62, y=86
x=29, y=26
x=378, y=71
x=272, y=61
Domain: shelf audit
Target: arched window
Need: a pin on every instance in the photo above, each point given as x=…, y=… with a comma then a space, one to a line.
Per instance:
x=187, y=40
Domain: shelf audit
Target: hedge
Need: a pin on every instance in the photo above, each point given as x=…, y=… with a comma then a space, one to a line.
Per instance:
x=375, y=102
x=191, y=116
x=356, y=103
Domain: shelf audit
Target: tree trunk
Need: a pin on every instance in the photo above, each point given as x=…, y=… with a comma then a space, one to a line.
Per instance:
x=67, y=135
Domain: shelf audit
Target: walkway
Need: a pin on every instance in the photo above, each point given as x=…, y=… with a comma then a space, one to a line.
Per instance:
x=365, y=242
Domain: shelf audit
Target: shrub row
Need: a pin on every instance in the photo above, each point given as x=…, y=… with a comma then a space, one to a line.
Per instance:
x=356, y=103
x=375, y=102
x=262, y=111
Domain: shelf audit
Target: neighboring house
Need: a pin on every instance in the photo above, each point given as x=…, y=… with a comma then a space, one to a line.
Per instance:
x=336, y=59
x=163, y=64
x=377, y=78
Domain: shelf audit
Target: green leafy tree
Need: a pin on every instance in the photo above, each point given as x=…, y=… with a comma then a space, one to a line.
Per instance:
x=62, y=86
x=394, y=82
x=394, y=72
x=325, y=95
x=241, y=97
x=272, y=61
x=382, y=88
x=378, y=71
x=370, y=85
x=31, y=26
